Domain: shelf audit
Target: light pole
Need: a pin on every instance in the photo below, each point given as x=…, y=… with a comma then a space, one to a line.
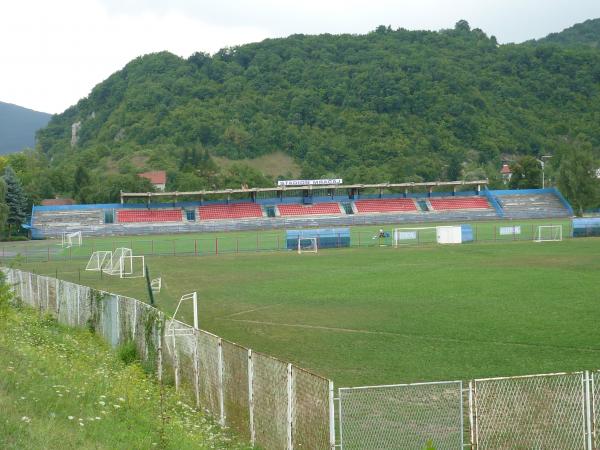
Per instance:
x=543, y=164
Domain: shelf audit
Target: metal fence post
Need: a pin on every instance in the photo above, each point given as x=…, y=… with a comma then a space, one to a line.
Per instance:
x=290, y=418
x=216, y=246
x=471, y=418
x=251, y=398
x=588, y=409
x=331, y=417
x=221, y=396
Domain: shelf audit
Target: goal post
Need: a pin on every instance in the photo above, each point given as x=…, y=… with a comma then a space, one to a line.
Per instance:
x=307, y=245
x=99, y=261
x=132, y=266
x=548, y=233
x=71, y=239
x=116, y=263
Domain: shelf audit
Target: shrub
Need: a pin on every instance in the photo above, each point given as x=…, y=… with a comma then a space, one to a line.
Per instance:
x=127, y=352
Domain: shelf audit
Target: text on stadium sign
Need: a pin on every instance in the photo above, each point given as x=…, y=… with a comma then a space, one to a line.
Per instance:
x=326, y=181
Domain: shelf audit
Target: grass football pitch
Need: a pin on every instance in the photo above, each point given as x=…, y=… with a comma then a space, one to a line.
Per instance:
x=379, y=315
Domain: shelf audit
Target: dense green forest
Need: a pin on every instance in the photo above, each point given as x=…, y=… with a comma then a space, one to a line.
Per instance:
x=585, y=33
x=391, y=105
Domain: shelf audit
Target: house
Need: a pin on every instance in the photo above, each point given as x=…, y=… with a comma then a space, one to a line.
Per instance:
x=506, y=173
x=158, y=179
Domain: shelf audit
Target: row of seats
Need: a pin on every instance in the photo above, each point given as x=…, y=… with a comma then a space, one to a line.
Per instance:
x=306, y=210
x=445, y=204
x=149, y=215
x=231, y=211
x=385, y=205
x=253, y=210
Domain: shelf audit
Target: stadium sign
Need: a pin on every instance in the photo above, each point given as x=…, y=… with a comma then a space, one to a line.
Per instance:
x=322, y=182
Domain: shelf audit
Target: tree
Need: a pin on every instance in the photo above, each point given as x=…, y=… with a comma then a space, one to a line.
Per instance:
x=526, y=173
x=3, y=206
x=15, y=200
x=577, y=177
x=81, y=180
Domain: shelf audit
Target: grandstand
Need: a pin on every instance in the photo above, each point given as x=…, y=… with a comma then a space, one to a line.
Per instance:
x=300, y=206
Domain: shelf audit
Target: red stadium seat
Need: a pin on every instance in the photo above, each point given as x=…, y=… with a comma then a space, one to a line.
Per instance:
x=444, y=204
x=385, y=205
x=232, y=211
x=149, y=215
x=307, y=210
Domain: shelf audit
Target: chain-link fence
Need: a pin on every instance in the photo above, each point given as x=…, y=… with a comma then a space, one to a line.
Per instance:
x=273, y=404
x=38, y=251
x=531, y=412
x=404, y=416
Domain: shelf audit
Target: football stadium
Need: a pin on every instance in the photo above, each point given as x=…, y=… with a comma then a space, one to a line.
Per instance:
x=320, y=312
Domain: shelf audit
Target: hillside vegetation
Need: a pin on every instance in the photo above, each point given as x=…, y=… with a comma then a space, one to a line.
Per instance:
x=18, y=127
x=585, y=33
x=391, y=105
x=64, y=389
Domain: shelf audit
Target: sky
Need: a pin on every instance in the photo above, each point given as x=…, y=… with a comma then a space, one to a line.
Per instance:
x=53, y=52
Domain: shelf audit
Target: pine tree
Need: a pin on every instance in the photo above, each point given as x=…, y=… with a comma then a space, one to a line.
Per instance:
x=3, y=206
x=15, y=200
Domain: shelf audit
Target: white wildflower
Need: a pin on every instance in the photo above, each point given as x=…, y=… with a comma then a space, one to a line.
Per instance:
x=26, y=419
x=116, y=406
x=71, y=417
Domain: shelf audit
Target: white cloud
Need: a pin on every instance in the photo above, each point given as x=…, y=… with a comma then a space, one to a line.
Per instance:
x=54, y=52
x=60, y=50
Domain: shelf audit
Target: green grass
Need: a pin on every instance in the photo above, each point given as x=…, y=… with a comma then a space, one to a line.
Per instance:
x=62, y=388
x=383, y=315
x=203, y=244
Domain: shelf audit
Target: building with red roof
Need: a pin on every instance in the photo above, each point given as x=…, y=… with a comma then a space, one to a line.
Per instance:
x=158, y=178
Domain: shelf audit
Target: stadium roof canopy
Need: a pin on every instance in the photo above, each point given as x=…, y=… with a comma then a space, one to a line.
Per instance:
x=429, y=185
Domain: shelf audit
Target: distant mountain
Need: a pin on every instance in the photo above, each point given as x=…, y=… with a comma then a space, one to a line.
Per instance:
x=585, y=33
x=18, y=126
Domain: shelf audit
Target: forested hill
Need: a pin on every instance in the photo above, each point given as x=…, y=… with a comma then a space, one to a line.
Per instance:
x=585, y=33
x=18, y=126
x=390, y=105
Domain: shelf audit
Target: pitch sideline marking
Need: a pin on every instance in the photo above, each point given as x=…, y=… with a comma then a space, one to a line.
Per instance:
x=412, y=336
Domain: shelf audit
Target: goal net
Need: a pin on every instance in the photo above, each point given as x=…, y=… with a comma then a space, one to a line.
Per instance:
x=71, y=239
x=99, y=261
x=307, y=245
x=403, y=236
x=116, y=263
x=547, y=233
x=132, y=266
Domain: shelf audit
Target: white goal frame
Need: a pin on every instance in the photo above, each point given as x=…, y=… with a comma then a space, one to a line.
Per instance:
x=71, y=239
x=397, y=231
x=99, y=261
x=554, y=237
x=132, y=266
x=313, y=248
x=116, y=264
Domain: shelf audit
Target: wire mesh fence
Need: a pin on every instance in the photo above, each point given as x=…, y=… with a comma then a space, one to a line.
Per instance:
x=267, y=401
x=43, y=251
x=402, y=416
x=542, y=411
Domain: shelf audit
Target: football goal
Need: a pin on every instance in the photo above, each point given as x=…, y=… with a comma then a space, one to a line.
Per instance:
x=132, y=266
x=548, y=233
x=307, y=245
x=99, y=261
x=403, y=236
x=71, y=239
